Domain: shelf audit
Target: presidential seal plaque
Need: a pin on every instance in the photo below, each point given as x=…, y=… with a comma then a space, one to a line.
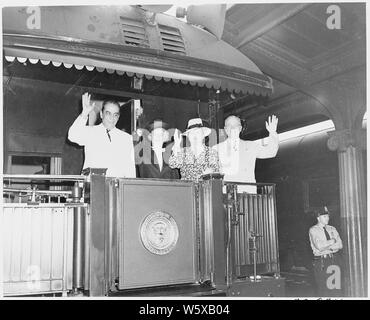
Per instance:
x=159, y=233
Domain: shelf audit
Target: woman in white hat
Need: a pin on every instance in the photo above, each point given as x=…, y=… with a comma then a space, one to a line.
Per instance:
x=198, y=159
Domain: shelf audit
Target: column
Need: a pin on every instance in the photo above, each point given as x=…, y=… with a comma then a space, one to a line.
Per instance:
x=97, y=228
x=349, y=146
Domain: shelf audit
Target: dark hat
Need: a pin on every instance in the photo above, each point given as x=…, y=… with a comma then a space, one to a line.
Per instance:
x=322, y=212
x=157, y=123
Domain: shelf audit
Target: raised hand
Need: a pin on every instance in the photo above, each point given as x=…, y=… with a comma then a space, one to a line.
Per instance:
x=177, y=138
x=87, y=106
x=271, y=124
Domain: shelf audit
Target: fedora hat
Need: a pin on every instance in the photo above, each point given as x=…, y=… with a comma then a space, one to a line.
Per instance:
x=197, y=123
x=157, y=123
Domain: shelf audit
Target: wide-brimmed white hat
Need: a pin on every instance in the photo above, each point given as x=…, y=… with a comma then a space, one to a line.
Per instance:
x=197, y=123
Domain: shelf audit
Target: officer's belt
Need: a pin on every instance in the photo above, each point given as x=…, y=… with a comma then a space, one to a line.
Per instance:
x=325, y=256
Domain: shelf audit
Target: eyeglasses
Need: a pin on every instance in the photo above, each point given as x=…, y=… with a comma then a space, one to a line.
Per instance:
x=109, y=114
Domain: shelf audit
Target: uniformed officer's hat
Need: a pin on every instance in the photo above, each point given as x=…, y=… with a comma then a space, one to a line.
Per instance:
x=322, y=212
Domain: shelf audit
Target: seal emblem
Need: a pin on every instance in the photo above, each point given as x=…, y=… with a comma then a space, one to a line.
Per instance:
x=159, y=232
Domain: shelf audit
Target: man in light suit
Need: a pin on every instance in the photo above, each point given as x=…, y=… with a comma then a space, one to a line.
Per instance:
x=105, y=145
x=238, y=157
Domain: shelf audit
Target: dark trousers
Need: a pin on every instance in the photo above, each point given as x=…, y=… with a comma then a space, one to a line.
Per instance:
x=328, y=276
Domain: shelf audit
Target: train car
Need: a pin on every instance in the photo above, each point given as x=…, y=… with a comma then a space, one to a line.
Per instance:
x=72, y=234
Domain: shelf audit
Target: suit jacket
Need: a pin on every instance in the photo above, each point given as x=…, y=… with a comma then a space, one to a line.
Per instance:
x=149, y=168
x=239, y=164
x=114, y=151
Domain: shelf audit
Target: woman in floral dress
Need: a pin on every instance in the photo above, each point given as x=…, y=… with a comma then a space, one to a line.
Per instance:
x=198, y=159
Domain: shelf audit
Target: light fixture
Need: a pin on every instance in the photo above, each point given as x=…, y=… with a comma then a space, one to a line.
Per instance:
x=137, y=83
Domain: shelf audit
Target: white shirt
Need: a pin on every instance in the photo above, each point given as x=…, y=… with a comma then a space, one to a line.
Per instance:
x=319, y=243
x=116, y=154
x=238, y=159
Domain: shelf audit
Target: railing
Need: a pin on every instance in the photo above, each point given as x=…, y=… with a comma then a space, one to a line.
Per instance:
x=40, y=247
x=53, y=247
x=37, y=247
x=39, y=188
x=252, y=239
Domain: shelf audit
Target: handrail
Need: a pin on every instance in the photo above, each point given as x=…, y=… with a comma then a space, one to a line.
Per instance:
x=43, y=177
x=38, y=191
x=258, y=184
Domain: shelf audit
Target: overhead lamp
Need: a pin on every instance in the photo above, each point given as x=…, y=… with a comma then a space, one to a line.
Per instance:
x=137, y=83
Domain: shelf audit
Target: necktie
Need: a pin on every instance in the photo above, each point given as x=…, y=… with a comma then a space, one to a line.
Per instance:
x=326, y=234
x=159, y=154
x=109, y=136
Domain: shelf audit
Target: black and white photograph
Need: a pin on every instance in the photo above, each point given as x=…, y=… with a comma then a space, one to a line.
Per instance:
x=178, y=150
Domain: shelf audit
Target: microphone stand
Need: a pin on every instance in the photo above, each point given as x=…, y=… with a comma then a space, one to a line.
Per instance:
x=253, y=248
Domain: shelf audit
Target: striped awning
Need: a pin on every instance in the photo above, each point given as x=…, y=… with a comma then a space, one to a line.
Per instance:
x=134, y=61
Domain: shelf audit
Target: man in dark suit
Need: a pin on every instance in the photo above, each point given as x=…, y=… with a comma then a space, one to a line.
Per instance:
x=154, y=160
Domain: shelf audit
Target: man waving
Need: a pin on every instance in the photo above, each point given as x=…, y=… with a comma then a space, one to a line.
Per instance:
x=238, y=157
x=105, y=145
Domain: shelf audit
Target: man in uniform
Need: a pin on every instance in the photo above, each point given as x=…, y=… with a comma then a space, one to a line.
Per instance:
x=325, y=243
x=105, y=145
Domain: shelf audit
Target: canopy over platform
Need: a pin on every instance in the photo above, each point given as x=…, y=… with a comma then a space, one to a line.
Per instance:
x=126, y=41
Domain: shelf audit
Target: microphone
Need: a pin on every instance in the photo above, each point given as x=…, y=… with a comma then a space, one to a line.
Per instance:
x=254, y=235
